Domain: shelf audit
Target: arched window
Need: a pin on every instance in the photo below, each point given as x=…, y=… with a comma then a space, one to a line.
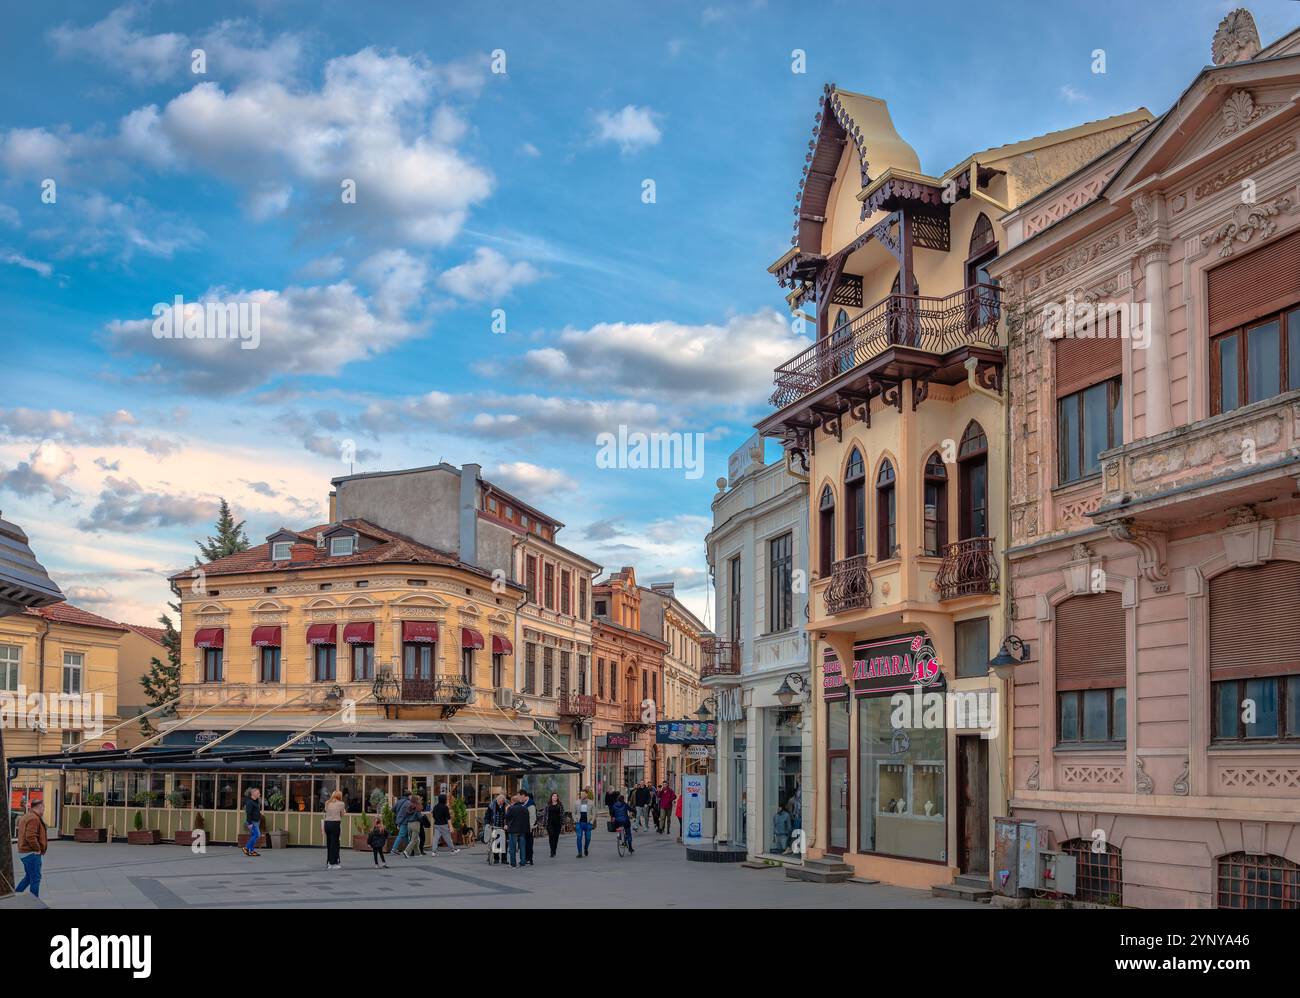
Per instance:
x=982, y=298
x=1246, y=880
x=826, y=531
x=855, y=506
x=936, y=506
x=973, y=483
x=1099, y=873
x=841, y=344
x=886, y=513
x=841, y=319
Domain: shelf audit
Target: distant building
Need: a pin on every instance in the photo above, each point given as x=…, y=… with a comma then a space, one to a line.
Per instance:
x=678, y=697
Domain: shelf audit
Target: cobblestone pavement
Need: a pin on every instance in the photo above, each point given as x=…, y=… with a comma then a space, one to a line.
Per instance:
x=657, y=876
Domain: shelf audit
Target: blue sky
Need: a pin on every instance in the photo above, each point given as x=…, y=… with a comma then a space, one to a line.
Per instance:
x=476, y=191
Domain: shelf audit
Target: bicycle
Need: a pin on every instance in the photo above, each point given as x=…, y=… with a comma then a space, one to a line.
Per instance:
x=624, y=846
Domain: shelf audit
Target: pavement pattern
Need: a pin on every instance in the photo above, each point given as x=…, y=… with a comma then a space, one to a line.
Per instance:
x=658, y=875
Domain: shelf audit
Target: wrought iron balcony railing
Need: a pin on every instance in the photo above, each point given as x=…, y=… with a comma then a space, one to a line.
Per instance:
x=934, y=325
x=577, y=705
x=969, y=568
x=446, y=691
x=721, y=658
x=850, y=586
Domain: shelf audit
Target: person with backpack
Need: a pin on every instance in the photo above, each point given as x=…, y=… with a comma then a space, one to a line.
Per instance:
x=414, y=818
x=622, y=818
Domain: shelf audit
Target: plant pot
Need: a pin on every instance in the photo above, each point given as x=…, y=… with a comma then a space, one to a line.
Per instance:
x=361, y=843
x=263, y=840
x=144, y=837
x=90, y=834
x=185, y=837
x=277, y=839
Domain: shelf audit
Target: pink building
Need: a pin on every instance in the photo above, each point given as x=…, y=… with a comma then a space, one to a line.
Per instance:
x=1153, y=302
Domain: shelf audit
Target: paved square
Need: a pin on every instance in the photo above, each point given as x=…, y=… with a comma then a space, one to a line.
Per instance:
x=657, y=876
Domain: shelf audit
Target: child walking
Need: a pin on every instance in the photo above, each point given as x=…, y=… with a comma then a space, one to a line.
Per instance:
x=377, y=837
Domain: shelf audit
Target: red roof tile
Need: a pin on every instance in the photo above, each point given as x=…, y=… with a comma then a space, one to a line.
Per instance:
x=154, y=634
x=66, y=613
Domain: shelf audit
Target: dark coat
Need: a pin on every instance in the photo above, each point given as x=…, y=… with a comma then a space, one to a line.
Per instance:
x=517, y=819
x=554, y=817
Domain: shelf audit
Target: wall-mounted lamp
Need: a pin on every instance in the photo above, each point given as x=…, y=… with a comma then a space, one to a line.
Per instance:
x=1013, y=652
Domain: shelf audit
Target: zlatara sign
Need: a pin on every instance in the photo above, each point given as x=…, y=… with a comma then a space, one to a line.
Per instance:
x=895, y=664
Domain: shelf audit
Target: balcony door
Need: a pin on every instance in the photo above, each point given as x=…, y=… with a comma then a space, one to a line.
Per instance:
x=982, y=299
x=973, y=483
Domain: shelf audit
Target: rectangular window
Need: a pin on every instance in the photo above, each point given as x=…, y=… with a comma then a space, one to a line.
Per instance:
x=74, y=671
x=417, y=660
x=1261, y=709
x=213, y=670
x=972, y=648
x=1088, y=422
x=582, y=598
x=281, y=550
x=548, y=672
x=498, y=671
x=565, y=661
x=342, y=546
x=549, y=577
x=582, y=675
x=467, y=665
x=270, y=666
x=1092, y=715
x=363, y=663
x=566, y=598
x=613, y=680
x=600, y=678
x=326, y=663
x=780, y=572
x=1256, y=361
x=901, y=802
x=530, y=576
x=530, y=668
x=733, y=597
x=10, y=666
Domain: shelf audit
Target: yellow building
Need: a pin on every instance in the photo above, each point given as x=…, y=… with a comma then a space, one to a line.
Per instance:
x=665, y=616
x=70, y=657
x=896, y=416
x=140, y=646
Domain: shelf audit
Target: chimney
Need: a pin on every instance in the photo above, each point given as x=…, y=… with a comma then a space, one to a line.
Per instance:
x=333, y=503
x=469, y=486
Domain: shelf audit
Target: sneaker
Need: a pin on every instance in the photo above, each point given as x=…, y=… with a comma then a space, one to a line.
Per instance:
x=254, y=853
x=454, y=850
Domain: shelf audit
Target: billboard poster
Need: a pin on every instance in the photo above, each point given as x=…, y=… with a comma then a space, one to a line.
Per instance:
x=686, y=732
x=693, y=790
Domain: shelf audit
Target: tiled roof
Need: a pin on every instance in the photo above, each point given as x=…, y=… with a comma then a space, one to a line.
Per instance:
x=66, y=613
x=154, y=634
x=390, y=548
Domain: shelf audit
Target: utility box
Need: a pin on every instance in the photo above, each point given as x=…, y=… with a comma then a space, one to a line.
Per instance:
x=1059, y=872
x=1016, y=847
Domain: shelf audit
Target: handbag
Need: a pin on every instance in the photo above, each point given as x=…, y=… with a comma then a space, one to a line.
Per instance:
x=611, y=826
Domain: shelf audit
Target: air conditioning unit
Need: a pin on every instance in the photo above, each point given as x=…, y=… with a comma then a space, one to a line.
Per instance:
x=505, y=698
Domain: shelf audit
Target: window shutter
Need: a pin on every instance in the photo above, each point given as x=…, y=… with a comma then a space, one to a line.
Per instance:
x=1084, y=362
x=1254, y=624
x=1090, y=642
x=1259, y=282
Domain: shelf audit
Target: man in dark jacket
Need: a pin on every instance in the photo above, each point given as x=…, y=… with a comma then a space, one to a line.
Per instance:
x=496, y=818
x=402, y=814
x=641, y=798
x=517, y=829
x=442, y=825
x=253, y=820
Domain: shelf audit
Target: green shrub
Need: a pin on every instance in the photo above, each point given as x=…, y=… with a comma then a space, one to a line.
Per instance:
x=199, y=822
x=84, y=820
x=390, y=820
x=95, y=800
x=176, y=799
x=143, y=799
x=276, y=801
x=459, y=812
x=138, y=823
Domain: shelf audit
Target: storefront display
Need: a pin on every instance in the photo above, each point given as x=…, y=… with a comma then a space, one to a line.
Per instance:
x=782, y=770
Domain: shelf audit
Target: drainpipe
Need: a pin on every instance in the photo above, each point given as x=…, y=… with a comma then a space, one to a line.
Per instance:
x=40, y=670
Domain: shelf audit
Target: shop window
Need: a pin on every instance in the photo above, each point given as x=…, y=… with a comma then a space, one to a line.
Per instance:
x=363, y=663
x=780, y=562
x=1091, y=670
x=1088, y=422
x=270, y=665
x=886, y=513
x=826, y=532
x=783, y=806
x=855, y=506
x=935, y=512
x=1250, y=881
x=213, y=670
x=1099, y=874
x=901, y=800
x=972, y=647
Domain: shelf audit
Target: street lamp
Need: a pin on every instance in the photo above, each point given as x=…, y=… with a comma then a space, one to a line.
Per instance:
x=792, y=686
x=704, y=713
x=1013, y=652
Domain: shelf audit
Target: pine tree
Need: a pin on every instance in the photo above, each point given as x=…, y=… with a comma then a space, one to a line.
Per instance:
x=163, y=682
x=230, y=538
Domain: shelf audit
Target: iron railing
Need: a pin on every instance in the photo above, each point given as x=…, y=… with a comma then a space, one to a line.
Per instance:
x=444, y=690
x=934, y=325
x=850, y=586
x=721, y=658
x=969, y=568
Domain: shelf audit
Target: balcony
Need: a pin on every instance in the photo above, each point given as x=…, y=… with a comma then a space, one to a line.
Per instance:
x=721, y=658
x=969, y=568
x=451, y=693
x=906, y=323
x=633, y=723
x=577, y=705
x=850, y=585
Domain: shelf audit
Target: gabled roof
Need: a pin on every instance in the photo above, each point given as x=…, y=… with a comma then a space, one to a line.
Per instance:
x=154, y=634
x=66, y=613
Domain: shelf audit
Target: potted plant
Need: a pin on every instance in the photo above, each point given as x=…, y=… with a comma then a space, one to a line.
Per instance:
x=84, y=833
x=176, y=799
x=141, y=836
x=276, y=838
x=460, y=820
x=361, y=833
x=185, y=837
x=390, y=825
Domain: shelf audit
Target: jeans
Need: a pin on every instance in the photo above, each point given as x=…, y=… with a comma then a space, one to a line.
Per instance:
x=515, y=844
x=31, y=874
x=401, y=838
x=333, y=831
x=643, y=815
x=442, y=833
x=254, y=831
x=584, y=836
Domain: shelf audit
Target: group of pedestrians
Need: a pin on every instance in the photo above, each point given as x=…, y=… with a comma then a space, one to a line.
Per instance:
x=415, y=821
x=655, y=806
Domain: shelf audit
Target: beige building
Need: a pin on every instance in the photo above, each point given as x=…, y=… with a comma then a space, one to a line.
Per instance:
x=664, y=616
x=140, y=646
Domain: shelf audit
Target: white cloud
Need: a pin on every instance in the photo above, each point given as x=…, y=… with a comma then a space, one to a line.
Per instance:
x=530, y=480
x=487, y=276
x=115, y=42
x=126, y=506
x=19, y=260
x=41, y=473
x=1071, y=95
x=631, y=128
x=35, y=153
x=238, y=48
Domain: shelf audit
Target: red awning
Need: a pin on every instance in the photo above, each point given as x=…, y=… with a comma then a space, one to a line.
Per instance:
x=320, y=634
x=419, y=630
x=470, y=638
x=502, y=646
x=359, y=633
x=266, y=637
x=209, y=637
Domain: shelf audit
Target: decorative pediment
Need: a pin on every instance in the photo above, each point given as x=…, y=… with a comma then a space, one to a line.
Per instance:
x=1247, y=222
x=1248, y=537
x=1082, y=570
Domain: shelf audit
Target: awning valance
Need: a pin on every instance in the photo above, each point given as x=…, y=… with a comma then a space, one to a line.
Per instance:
x=209, y=637
x=419, y=630
x=359, y=632
x=266, y=637
x=501, y=645
x=320, y=634
x=470, y=638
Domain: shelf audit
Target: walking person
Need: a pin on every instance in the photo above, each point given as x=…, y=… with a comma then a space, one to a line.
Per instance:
x=584, y=811
x=332, y=827
x=677, y=809
x=496, y=817
x=400, y=813
x=667, y=797
x=517, y=828
x=413, y=816
x=532, y=824
x=554, y=821
x=442, y=825
x=376, y=839
x=641, y=798
x=253, y=820
x=32, y=843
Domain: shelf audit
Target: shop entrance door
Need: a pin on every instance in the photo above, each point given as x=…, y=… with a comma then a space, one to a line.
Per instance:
x=973, y=804
x=837, y=841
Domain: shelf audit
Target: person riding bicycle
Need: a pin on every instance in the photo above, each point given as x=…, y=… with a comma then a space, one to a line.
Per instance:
x=622, y=816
